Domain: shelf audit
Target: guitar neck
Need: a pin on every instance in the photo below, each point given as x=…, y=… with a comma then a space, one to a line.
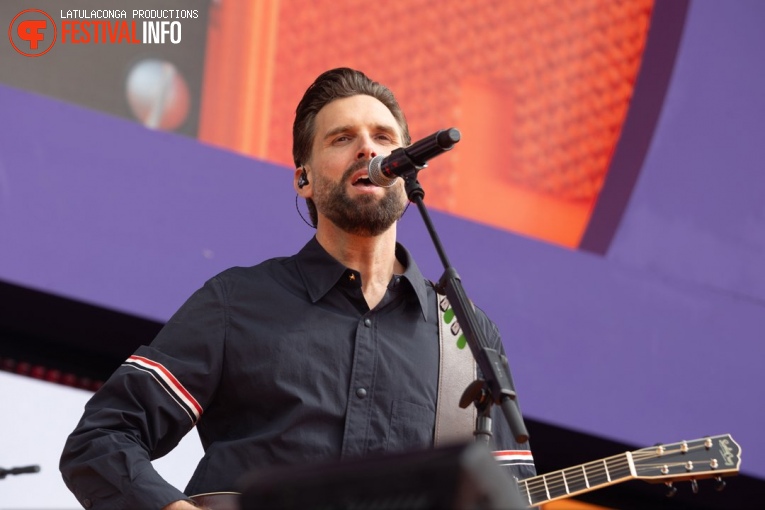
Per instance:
x=710, y=457
x=577, y=480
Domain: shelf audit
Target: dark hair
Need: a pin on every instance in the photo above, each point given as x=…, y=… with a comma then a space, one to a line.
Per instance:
x=329, y=86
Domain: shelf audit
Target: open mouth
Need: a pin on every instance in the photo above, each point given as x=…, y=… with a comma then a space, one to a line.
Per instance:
x=362, y=180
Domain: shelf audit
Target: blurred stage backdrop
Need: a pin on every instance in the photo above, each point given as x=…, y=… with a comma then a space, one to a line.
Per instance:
x=605, y=205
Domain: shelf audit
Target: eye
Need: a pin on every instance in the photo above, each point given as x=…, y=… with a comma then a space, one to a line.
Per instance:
x=341, y=139
x=385, y=137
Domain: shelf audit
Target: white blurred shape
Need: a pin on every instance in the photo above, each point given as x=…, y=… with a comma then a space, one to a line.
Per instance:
x=158, y=94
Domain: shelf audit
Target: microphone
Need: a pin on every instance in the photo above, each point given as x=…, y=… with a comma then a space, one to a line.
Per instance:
x=383, y=170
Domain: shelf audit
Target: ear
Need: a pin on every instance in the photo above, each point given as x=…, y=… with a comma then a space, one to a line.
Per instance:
x=301, y=183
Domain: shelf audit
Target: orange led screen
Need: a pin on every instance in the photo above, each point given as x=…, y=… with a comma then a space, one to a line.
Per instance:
x=538, y=88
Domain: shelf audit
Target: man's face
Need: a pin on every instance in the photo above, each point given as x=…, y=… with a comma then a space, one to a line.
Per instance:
x=349, y=132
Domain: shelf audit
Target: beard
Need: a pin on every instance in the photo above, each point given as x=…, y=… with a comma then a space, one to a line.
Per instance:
x=364, y=215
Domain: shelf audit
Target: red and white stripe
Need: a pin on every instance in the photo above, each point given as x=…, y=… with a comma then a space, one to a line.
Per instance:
x=513, y=456
x=168, y=382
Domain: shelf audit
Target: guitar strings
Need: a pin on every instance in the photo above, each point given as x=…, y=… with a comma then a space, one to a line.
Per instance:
x=575, y=476
x=580, y=476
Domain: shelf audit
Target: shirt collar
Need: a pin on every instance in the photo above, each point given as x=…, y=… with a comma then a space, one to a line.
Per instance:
x=320, y=272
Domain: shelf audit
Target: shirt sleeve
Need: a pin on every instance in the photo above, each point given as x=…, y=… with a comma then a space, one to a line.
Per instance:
x=145, y=408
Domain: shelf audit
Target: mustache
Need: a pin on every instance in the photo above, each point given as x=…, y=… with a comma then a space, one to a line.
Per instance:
x=355, y=167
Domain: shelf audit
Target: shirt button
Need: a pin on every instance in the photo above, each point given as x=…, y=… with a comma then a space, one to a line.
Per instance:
x=367, y=323
x=361, y=393
x=87, y=503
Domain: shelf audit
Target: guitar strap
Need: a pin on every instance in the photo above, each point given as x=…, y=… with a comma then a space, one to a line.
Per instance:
x=457, y=369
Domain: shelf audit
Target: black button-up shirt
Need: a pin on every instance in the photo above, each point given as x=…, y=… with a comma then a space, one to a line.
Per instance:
x=280, y=363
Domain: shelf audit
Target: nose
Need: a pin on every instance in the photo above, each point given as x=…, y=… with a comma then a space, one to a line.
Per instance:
x=367, y=148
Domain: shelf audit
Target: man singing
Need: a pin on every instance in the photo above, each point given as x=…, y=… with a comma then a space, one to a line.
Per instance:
x=329, y=354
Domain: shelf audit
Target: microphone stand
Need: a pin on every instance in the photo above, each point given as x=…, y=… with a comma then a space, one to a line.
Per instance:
x=495, y=387
x=18, y=471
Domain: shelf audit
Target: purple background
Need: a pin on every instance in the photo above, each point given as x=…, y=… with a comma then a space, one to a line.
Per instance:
x=659, y=340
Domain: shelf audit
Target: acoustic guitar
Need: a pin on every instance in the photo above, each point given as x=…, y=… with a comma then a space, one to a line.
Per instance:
x=710, y=457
